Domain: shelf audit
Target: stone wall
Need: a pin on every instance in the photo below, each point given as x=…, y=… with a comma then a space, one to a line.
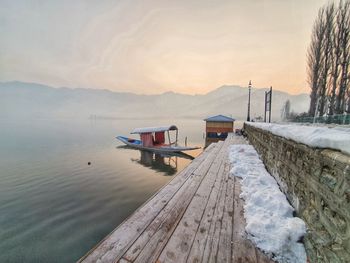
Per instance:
x=316, y=182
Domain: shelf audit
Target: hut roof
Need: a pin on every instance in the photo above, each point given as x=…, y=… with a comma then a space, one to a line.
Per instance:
x=220, y=118
x=154, y=129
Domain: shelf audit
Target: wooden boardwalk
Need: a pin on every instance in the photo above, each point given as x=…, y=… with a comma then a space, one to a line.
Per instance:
x=196, y=217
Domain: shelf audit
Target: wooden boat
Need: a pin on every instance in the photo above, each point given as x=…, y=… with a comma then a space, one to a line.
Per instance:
x=153, y=139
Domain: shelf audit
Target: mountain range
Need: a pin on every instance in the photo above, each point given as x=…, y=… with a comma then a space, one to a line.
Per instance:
x=31, y=100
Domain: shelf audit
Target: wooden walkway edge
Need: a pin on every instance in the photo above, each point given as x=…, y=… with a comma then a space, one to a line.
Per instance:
x=196, y=217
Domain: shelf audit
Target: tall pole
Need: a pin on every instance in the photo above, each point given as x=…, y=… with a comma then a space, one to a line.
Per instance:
x=270, y=104
x=249, y=88
x=265, y=106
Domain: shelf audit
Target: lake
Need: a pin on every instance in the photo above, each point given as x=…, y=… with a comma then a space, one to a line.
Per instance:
x=54, y=207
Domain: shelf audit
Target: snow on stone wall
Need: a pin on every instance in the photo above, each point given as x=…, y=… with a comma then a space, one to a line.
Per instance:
x=318, y=137
x=317, y=183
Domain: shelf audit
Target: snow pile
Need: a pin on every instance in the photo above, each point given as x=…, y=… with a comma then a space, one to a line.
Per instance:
x=269, y=216
x=319, y=137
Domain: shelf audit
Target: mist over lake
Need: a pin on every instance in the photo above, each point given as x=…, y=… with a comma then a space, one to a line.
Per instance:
x=30, y=100
x=54, y=207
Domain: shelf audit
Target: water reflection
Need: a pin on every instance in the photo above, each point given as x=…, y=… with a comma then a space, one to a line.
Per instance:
x=166, y=163
x=54, y=207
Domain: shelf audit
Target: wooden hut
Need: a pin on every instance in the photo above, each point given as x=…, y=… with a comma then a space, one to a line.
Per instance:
x=217, y=127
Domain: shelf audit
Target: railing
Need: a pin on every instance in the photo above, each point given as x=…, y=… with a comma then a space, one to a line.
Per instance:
x=336, y=119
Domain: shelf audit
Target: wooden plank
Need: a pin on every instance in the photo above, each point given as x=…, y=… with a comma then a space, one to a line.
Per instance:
x=146, y=247
x=212, y=243
x=180, y=242
x=243, y=249
x=225, y=248
x=198, y=247
x=114, y=245
x=123, y=260
x=210, y=248
x=196, y=252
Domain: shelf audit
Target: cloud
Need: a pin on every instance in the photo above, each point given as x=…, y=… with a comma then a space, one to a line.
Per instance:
x=154, y=46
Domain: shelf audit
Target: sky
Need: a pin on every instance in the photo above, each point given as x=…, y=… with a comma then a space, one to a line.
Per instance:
x=154, y=46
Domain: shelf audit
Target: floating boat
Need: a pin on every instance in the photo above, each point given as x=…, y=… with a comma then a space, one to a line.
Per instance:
x=153, y=139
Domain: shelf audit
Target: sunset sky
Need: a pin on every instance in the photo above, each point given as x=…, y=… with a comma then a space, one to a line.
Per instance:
x=187, y=46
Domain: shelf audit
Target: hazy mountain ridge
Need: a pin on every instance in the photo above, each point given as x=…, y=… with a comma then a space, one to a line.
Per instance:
x=30, y=100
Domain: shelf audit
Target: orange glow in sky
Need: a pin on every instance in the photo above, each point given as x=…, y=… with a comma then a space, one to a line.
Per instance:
x=157, y=46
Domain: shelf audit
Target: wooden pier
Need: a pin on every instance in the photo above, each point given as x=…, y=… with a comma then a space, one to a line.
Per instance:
x=196, y=217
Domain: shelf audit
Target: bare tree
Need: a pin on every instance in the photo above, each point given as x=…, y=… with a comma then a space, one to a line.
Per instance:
x=335, y=59
x=314, y=58
x=344, y=20
x=326, y=57
x=328, y=60
x=347, y=108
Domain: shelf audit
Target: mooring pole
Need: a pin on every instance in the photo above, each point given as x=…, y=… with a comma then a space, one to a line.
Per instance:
x=249, y=88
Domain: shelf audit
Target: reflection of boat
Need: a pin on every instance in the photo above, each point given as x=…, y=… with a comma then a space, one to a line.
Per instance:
x=163, y=154
x=153, y=139
x=158, y=162
x=161, y=162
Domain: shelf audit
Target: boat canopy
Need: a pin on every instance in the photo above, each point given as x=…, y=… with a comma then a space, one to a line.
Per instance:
x=154, y=129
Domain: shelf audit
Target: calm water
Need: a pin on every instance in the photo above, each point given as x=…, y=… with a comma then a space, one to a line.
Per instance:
x=54, y=207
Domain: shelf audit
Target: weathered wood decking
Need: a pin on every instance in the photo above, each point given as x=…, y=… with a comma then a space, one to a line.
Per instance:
x=196, y=217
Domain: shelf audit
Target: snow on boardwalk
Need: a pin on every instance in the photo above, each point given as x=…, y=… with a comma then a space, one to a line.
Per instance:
x=196, y=217
x=270, y=222
x=337, y=138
